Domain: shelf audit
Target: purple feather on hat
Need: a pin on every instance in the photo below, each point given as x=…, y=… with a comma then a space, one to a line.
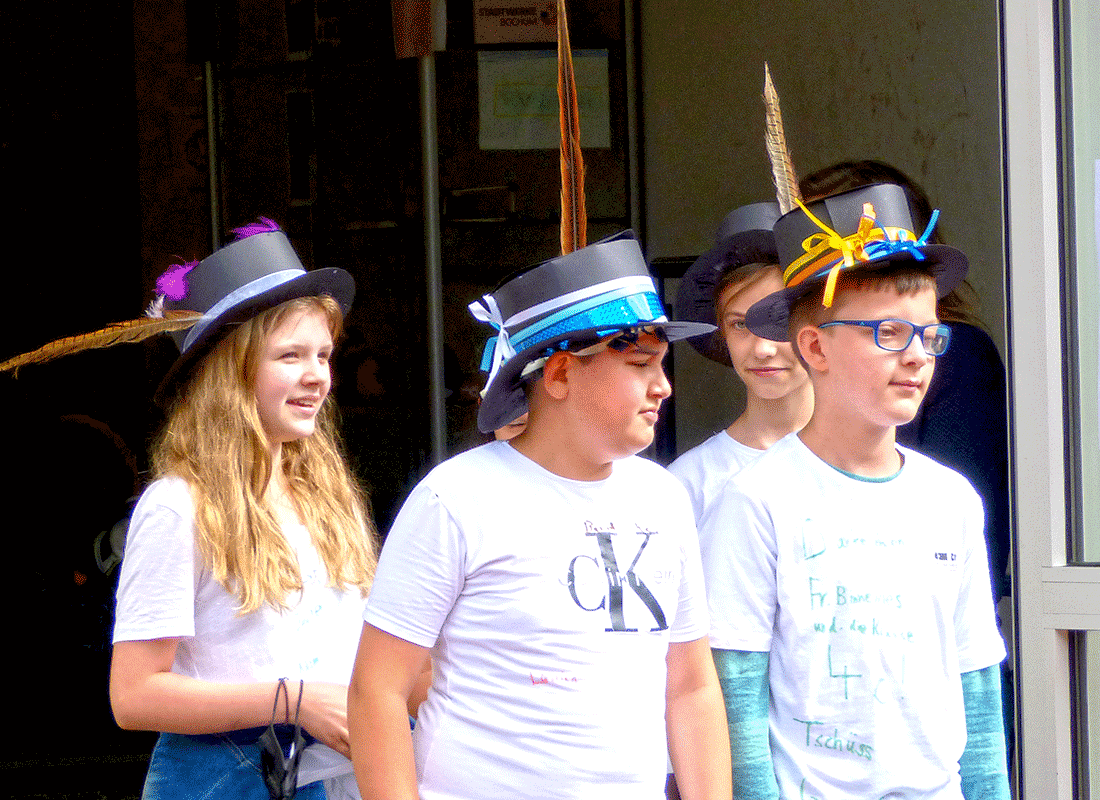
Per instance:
x=265, y=225
x=173, y=284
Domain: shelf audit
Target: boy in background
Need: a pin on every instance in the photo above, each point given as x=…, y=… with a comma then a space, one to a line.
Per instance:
x=852, y=616
x=554, y=578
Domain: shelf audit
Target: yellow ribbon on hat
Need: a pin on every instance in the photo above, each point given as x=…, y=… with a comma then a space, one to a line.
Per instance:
x=830, y=250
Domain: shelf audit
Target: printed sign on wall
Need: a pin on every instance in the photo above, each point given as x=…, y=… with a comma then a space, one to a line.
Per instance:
x=518, y=99
x=509, y=22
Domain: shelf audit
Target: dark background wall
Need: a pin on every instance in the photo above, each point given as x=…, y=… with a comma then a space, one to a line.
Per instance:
x=105, y=166
x=69, y=171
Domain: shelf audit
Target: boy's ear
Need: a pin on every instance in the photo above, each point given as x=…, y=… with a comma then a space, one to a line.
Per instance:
x=808, y=342
x=555, y=374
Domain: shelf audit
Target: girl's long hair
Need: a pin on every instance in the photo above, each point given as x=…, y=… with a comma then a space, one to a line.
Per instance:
x=214, y=440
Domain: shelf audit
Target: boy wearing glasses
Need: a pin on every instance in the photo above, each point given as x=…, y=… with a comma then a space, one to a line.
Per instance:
x=852, y=618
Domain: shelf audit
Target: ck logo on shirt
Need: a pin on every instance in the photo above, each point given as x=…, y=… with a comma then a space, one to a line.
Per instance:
x=613, y=599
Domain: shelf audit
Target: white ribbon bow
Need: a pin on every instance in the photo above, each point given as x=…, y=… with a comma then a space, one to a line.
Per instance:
x=487, y=310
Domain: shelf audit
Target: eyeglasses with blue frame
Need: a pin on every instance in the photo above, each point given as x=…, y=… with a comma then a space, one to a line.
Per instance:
x=896, y=334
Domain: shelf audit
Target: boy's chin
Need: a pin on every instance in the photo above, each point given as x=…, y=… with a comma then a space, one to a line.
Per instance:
x=634, y=445
x=904, y=416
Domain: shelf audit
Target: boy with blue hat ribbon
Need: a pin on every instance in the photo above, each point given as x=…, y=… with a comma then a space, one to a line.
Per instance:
x=852, y=616
x=554, y=578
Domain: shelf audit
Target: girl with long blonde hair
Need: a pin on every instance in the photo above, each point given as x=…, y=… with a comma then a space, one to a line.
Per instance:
x=249, y=557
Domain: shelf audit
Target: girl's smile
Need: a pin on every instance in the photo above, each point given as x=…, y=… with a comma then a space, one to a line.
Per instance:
x=293, y=377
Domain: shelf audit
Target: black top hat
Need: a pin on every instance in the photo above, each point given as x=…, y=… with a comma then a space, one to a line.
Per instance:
x=235, y=284
x=202, y=298
x=583, y=296
x=865, y=228
x=744, y=237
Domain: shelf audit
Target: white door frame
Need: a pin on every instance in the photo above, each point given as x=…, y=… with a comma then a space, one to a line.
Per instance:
x=1051, y=598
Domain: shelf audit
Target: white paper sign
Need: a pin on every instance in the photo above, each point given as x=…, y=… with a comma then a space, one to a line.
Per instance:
x=518, y=99
x=497, y=22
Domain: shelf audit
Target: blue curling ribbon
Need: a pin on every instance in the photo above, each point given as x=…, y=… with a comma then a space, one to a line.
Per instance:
x=928, y=230
x=487, y=354
x=875, y=250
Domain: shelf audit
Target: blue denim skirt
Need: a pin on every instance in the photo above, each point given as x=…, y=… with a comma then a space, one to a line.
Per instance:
x=221, y=766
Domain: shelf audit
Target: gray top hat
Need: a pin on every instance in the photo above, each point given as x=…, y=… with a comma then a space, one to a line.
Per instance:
x=580, y=297
x=744, y=237
x=236, y=283
x=865, y=228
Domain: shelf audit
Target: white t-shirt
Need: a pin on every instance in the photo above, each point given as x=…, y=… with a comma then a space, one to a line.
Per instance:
x=705, y=468
x=165, y=590
x=872, y=598
x=548, y=605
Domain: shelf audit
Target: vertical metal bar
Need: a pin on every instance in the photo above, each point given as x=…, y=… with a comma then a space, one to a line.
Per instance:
x=433, y=266
x=633, y=119
x=212, y=122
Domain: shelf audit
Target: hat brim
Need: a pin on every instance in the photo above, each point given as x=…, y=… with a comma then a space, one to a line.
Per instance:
x=331, y=281
x=769, y=318
x=504, y=399
x=695, y=298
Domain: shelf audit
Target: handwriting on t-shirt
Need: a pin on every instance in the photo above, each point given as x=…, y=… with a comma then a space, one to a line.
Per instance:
x=818, y=734
x=855, y=605
x=544, y=679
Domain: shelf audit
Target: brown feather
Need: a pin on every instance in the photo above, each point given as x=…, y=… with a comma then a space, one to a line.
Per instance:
x=574, y=223
x=134, y=330
x=783, y=174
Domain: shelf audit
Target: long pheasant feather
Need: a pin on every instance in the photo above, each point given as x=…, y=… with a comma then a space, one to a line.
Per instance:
x=134, y=330
x=786, y=182
x=574, y=220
